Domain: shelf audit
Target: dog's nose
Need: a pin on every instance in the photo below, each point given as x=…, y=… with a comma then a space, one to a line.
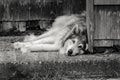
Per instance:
x=70, y=52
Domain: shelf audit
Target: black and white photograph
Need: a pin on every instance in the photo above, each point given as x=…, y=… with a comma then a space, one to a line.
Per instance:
x=59, y=39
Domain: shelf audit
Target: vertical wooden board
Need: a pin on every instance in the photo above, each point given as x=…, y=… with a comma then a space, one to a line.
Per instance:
x=50, y=9
x=19, y=10
x=107, y=21
x=38, y=11
x=73, y=6
x=44, y=9
x=6, y=9
x=118, y=24
x=100, y=23
x=90, y=23
x=2, y=9
x=67, y=6
x=15, y=10
x=23, y=9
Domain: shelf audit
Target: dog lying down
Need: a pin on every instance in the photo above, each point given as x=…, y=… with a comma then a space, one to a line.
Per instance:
x=68, y=35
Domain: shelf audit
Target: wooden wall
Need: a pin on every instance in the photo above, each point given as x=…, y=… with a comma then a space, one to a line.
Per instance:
x=22, y=10
x=15, y=11
x=107, y=25
x=103, y=23
x=18, y=10
x=107, y=22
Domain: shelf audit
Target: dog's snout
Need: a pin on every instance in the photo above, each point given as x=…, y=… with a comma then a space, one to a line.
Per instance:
x=70, y=52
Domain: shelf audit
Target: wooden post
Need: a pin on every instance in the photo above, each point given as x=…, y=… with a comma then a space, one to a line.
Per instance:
x=90, y=23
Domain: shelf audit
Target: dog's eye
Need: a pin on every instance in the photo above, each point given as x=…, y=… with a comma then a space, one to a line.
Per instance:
x=80, y=46
x=73, y=41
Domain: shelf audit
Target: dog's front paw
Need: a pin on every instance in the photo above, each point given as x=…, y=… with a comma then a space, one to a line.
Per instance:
x=61, y=51
x=16, y=45
x=24, y=50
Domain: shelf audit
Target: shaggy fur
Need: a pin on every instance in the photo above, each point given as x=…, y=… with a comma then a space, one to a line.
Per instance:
x=67, y=35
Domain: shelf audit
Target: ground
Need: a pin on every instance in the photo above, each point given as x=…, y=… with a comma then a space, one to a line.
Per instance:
x=52, y=66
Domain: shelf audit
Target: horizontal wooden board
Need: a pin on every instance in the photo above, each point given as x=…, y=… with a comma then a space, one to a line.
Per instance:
x=106, y=43
x=106, y=2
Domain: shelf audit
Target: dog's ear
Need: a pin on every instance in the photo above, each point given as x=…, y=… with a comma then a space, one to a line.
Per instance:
x=76, y=29
x=79, y=30
x=84, y=32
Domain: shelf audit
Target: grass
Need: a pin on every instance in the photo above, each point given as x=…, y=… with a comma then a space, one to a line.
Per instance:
x=61, y=70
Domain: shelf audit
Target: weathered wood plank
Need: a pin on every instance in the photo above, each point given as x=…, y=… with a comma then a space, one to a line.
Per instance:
x=73, y=6
x=24, y=10
x=106, y=2
x=90, y=23
x=107, y=22
x=1, y=9
x=39, y=10
x=14, y=10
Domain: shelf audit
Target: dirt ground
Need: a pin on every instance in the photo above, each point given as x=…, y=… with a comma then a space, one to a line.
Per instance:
x=9, y=54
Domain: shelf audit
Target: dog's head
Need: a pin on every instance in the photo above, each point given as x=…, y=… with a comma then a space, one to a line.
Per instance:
x=77, y=42
x=76, y=45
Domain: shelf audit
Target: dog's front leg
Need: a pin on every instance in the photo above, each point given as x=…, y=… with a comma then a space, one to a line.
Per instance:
x=40, y=47
x=47, y=40
x=18, y=45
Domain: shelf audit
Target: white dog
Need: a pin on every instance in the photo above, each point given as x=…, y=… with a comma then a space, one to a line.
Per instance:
x=67, y=35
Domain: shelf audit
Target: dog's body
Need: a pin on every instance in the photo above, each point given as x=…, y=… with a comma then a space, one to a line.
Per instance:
x=60, y=37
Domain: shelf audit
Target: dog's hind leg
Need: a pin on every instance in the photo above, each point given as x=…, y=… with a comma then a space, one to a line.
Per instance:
x=49, y=33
